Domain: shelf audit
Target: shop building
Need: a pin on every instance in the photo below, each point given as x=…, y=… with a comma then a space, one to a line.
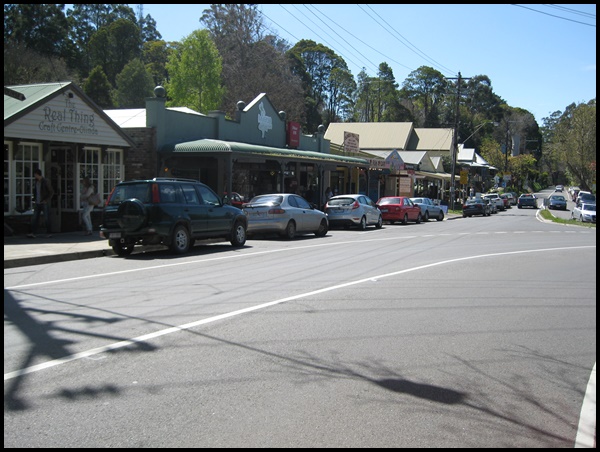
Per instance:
x=55, y=127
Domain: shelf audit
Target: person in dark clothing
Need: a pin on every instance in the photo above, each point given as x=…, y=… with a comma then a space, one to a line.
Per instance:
x=42, y=195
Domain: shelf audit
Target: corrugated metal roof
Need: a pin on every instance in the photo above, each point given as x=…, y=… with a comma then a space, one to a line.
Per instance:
x=207, y=145
x=372, y=135
x=433, y=139
x=33, y=94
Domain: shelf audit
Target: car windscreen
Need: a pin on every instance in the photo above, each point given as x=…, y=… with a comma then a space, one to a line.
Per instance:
x=591, y=207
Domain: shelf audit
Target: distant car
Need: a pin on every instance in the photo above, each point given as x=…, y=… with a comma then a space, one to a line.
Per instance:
x=286, y=214
x=353, y=210
x=428, y=209
x=512, y=199
x=573, y=192
x=476, y=206
x=584, y=213
x=559, y=188
x=505, y=200
x=557, y=202
x=585, y=197
x=399, y=208
x=235, y=199
x=495, y=197
x=527, y=200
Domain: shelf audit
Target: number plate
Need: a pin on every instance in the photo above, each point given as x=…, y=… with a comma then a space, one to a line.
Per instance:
x=384, y=210
x=114, y=235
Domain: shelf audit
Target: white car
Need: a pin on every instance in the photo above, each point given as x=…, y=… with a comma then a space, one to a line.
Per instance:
x=496, y=199
x=585, y=213
x=353, y=210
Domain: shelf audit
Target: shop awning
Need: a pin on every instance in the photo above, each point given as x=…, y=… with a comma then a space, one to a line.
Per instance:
x=440, y=176
x=207, y=146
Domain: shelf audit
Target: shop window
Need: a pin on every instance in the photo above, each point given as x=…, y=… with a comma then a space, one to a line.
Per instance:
x=27, y=158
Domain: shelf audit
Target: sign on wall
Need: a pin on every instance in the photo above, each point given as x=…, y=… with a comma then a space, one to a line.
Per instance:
x=351, y=143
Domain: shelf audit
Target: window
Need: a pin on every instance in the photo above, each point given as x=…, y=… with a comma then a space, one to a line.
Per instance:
x=27, y=158
x=112, y=170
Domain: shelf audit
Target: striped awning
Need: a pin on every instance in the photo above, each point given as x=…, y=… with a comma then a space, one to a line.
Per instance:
x=207, y=145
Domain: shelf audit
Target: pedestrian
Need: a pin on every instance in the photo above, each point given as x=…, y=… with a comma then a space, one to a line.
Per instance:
x=42, y=196
x=87, y=190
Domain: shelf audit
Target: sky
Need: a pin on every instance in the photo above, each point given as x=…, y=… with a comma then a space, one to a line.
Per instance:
x=541, y=57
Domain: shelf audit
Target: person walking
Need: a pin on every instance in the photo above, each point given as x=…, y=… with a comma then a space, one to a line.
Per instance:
x=42, y=195
x=87, y=191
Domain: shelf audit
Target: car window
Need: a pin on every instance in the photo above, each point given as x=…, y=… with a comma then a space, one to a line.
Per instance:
x=208, y=196
x=341, y=202
x=170, y=193
x=123, y=192
x=266, y=199
x=300, y=202
x=387, y=201
x=190, y=194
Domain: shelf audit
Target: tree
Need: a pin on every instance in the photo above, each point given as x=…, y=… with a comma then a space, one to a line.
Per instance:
x=575, y=142
x=426, y=88
x=155, y=55
x=98, y=88
x=134, y=84
x=195, y=74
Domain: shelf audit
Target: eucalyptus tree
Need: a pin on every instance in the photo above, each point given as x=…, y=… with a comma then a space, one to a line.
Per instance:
x=195, y=74
x=426, y=88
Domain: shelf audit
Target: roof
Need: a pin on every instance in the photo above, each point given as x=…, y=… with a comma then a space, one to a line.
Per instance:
x=129, y=118
x=207, y=145
x=372, y=135
x=433, y=139
x=34, y=94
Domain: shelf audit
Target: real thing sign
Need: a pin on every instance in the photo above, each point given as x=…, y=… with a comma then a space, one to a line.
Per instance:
x=351, y=144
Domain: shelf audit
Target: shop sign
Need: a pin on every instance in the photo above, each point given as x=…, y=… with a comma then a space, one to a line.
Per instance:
x=66, y=117
x=265, y=123
x=351, y=143
x=293, y=134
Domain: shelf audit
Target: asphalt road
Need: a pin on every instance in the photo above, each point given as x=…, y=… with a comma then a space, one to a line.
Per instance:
x=474, y=332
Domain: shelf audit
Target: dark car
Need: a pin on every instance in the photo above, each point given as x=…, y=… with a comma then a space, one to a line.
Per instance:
x=476, y=206
x=527, y=200
x=171, y=212
x=557, y=202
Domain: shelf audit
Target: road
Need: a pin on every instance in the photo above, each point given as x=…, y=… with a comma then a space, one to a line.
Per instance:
x=471, y=332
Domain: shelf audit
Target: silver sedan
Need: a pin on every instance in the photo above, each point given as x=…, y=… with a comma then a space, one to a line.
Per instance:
x=285, y=214
x=429, y=209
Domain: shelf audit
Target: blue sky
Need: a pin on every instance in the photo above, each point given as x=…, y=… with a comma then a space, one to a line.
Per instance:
x=538, y=57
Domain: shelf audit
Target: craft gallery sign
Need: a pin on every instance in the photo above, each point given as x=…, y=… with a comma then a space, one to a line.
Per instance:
x=64, y=117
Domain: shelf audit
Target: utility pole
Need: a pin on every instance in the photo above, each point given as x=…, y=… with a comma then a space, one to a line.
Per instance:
x=455, y=139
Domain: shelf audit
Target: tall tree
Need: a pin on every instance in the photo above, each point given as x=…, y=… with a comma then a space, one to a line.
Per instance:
x=195, y=74
x=426, y=88
x=98, y=88
x=134, y=84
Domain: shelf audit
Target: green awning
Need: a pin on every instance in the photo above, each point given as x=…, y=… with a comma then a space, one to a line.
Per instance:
x=207, y=145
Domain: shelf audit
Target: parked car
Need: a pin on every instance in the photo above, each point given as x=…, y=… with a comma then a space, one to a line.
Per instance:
x=399, y=208
x=585, y=197
x=476, y=206
x=527, y=200
x=559, y=188
x=495, y=197
x=235, y=199
x=512, y=199
x=429, y=209
x=168, y=211
x=353, y=210
x=557, y=202
x=584, y=213
x=573, y=192
x=491, y=204
x=285, y=214
x=505, y=200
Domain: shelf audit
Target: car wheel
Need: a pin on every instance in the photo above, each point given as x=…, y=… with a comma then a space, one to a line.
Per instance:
x=391, y=221
x=464, y=215
x=419, y=218
x=322, y=231
x=363, y=224
x=238, y=234
x=180, y=242
x=290, y=230
x=122, y=250
x=426, y=216
x=441, y=216
x=405, y=220
x=379, y=223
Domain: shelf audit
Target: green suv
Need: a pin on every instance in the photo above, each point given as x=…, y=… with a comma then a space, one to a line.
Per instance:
x=171, y=212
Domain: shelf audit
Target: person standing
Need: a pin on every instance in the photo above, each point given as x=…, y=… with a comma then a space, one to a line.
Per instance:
x=87, y=190
x=43, y=193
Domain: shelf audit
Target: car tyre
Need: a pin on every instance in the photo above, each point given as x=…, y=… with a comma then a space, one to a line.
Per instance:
x=426, y=216
x=238, y=234
x=132, y=215
x=290, y=231
x=405, y=219
x=379, y=223
x=181, y=240
x=419, y=218
x=440, y=216
x=323, y=229
x=363, y=224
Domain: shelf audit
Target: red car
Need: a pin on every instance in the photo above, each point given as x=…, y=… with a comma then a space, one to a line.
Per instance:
x=236, y=199
x=399, y=208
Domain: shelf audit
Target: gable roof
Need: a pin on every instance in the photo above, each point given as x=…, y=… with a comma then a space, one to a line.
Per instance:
x=372, y=135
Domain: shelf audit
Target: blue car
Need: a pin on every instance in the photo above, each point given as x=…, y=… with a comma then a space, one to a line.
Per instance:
x=557, y=202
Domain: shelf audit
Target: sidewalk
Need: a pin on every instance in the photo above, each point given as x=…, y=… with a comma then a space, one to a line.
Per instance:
x=20, y=250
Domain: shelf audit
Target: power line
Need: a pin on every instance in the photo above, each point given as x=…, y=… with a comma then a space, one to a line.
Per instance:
x=574, y=11
x=548, y=14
